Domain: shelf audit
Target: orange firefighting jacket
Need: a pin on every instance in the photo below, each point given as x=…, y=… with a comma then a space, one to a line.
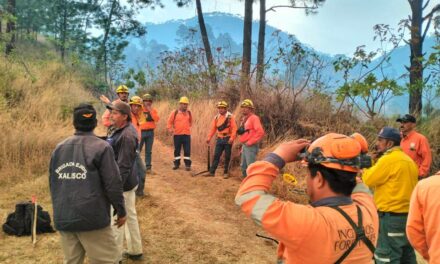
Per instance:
x=150, y=124
x=229, y=131
x=307, y=234
x=181, y=122
x=422, y=227
x=137, y=121
x=417, y=147
x=254, y=131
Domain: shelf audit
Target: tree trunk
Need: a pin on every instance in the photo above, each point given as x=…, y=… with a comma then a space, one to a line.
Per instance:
x=261, y=40
x=247, y=49
x=205, y=39
x=416, y=68
x=102, y=59
x=64, y=31
x=10, y=27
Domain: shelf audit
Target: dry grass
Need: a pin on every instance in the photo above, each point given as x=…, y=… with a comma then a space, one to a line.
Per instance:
x=35, y=114
x=203, y=112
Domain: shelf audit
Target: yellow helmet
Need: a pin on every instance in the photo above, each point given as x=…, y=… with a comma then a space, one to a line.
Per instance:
x=247, y=103
x=222, y=104
x=184, y=100
x=122, y=89
x=147, y=97
x=136, y=100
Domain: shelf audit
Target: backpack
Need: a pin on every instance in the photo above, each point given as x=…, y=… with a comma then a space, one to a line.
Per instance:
x=19, y=223
x=177, y=111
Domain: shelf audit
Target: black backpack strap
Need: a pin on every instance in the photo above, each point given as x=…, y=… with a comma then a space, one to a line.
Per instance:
x=225, y=124
x=175, y=114
x=359, y=230
x=148, y=117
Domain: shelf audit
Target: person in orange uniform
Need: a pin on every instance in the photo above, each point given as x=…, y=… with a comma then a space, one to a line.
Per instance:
x=137, y=119
x=341, y=223
x=137, y=116
x=179, y=124
x=122, y=92
x=423, y=219
x=147, y=128
x=251, y=132
x=415, y=145
x=226, y=129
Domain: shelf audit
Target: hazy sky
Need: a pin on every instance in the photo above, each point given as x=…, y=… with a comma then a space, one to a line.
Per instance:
x=338, y=28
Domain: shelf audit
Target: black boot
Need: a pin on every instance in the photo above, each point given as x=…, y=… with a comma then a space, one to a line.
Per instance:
x=176, y=164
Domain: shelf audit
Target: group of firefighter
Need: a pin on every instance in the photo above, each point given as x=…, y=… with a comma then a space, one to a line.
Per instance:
x=224, y=126
x=363, y=206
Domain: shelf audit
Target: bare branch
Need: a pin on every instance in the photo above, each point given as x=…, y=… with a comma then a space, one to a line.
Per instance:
x=429, y=17
x=272, y=8
x=433, y=11
x=426, y=28
x=426, y=4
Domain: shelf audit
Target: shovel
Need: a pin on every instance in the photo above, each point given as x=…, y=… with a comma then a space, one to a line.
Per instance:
x=209, y=163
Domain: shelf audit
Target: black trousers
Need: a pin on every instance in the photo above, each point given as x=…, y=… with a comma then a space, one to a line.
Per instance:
x=220, y=146
x=185, y=142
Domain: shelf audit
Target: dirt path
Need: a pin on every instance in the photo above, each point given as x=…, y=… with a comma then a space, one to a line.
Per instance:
x=194, y=219
x=184, y=219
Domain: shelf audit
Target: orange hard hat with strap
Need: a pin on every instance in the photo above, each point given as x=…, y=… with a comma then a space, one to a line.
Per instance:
x=337, y=151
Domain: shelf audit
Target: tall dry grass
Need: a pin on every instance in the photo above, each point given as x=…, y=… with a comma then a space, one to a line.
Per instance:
x=310, y=123
x=310, y=117
x=37, y=96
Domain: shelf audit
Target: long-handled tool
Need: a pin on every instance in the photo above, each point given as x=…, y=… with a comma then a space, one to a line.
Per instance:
x=34, y=221
x=209, y=163
x=268, y=238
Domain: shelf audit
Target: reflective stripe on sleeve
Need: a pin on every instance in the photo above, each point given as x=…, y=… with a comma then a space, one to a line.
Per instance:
x=261, y=206
x=381, y=259
x=396, y=234
x=247, y=196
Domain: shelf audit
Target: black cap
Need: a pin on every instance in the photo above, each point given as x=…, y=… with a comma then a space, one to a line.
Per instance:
x=390, y=133
x=84, y=117
x=407, y=119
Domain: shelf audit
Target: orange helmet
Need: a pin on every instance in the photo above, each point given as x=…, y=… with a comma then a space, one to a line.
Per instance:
x=362, y=141
x=336, y=151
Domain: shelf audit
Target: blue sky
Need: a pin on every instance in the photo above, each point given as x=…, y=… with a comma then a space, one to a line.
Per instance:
x=338, y=28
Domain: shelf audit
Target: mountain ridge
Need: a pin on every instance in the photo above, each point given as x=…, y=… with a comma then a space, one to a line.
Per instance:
x=227, y=28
